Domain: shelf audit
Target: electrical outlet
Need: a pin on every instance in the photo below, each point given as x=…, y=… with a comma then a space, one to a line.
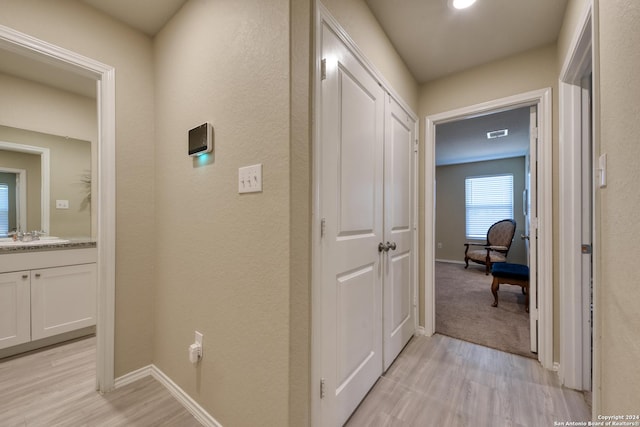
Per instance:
x=250, y=179
x=62, y=204
x=439, y=245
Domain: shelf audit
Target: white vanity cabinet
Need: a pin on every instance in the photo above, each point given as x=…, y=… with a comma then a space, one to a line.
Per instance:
x=45, y=294
x=15, y=309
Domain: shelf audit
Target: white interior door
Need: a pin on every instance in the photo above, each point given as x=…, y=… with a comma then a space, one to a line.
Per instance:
x=531, y=225
x=398, y=231
x=352, y=132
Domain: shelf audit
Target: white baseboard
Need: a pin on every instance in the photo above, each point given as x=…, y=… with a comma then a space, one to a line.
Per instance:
x=420, y=330
x=450, y=261
x=556, y=367
x=198, y=412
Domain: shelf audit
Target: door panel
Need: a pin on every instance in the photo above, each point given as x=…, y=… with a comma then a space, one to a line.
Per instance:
x=399, y=314
x=352, y=132
x=357, y=157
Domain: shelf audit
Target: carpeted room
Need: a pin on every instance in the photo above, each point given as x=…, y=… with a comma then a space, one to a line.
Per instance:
x=464, y=311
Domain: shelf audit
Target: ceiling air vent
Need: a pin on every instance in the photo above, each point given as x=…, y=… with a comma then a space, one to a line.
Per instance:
x=497, y=133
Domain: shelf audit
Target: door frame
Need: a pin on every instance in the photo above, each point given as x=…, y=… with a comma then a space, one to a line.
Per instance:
x=323, y=16
x=577, y=64
x=541, y=98
x=104, y=75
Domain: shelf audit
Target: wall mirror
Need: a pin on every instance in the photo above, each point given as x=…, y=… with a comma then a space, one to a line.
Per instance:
x=48, y=148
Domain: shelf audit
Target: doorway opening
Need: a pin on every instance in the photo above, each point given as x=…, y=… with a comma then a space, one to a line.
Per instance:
x=541, y=293
x=482, y=180
x=75, y=65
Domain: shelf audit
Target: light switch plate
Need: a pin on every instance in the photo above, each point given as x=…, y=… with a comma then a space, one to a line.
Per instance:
x=250, y=179
x=602, y=170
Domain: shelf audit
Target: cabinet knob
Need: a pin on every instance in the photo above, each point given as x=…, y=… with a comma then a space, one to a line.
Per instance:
x=37, y=274
x=25, y=276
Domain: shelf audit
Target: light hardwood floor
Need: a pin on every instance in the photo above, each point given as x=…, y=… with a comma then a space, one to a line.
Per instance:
x=56, y=387
x=441, y=381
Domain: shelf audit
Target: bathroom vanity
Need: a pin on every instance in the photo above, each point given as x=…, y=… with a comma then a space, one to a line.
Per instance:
x=47, y=293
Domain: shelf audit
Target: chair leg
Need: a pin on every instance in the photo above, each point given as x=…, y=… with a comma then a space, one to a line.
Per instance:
x=487, y=268
x=526, y=298
x=494, y=290
x=466, y=262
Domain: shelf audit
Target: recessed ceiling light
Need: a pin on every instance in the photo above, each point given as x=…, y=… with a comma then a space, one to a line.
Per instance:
x=497, y=133
x=462, y=4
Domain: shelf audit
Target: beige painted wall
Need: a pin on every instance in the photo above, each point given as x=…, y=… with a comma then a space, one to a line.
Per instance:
x=300, y=211
x=361, y=25
x=69, y=161
x=617, y=296
x=450, y=206
x=527, y=71
x=223, y=258
x=75, y=26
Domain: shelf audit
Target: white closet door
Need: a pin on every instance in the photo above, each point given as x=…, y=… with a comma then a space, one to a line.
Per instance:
x=352, y=132
x=399, y=143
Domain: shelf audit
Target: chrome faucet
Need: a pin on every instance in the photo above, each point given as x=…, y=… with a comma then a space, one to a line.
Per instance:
x=26, y=236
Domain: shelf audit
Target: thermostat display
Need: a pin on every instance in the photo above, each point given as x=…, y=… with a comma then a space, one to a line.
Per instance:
x=201, y=139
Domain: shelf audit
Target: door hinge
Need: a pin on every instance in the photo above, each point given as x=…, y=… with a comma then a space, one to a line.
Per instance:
x=586, y=249
x=323, y=69
x=322, y=388
x=534, y=133
x=323, y=225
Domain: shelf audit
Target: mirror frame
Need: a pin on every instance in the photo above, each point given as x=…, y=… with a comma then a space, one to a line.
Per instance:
x=104, y=75
x=45, y=186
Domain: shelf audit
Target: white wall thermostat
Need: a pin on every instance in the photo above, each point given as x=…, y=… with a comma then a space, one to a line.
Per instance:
x=201, y=139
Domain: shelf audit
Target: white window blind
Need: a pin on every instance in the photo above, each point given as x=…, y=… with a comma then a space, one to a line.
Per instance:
x=488, y=200
x=4, y=209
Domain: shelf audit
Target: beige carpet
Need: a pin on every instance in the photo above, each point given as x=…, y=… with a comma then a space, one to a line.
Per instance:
x=463, y=310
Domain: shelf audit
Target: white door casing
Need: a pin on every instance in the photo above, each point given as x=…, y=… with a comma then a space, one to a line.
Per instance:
x=542, y=99
x=399, y=322
x=576, y=132
x=352, y=132
x=104, y=75
x=531, y=219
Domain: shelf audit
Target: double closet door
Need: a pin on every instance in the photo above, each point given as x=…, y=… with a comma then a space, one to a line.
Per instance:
x=367, y=193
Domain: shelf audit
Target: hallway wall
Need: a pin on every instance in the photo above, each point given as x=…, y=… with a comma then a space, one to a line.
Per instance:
x=222, y=257
x=617, y=294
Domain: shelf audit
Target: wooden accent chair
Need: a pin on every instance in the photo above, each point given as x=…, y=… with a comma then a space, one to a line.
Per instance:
x=499, y=238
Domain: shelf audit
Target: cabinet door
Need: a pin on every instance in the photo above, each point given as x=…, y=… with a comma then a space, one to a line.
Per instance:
x=15, y=312
x=62, y=299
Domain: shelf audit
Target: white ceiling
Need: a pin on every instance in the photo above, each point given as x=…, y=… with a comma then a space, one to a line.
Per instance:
x=466, y=140
x=434, y=39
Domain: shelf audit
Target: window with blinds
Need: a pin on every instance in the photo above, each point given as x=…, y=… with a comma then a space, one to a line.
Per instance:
x=4, y=209
x=488, y=199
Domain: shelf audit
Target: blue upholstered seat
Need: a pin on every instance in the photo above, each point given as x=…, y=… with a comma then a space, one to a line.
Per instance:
x=510, y=271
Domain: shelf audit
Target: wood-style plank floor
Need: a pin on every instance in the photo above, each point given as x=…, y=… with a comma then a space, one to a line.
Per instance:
x=442, y=381
x=56, y=387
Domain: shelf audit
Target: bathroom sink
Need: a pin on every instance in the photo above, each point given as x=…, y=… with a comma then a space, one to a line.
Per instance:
x=44, y=240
